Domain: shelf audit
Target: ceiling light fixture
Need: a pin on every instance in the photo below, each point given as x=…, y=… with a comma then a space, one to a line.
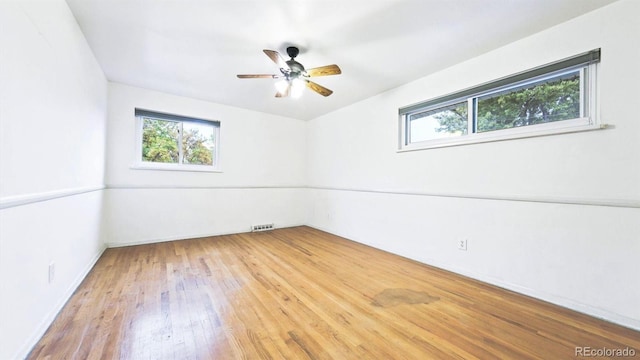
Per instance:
x=282, y=86
x=297, y=87
x=294, y=77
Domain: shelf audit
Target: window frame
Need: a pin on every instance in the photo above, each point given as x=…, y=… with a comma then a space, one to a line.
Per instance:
x=587, y=63
x=442, y=107
x=139, y=164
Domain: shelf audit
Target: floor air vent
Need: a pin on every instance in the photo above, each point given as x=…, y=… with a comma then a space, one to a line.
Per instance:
x=263, y=227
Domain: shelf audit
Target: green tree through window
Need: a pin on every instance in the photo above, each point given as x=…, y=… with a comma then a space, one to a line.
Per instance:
x=547, y=101
x=552, y=100
x=197, y=144
x=178, y=142
x=160, y=141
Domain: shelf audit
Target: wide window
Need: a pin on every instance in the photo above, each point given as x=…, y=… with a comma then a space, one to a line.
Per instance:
x=551, y=99
x=172, y=142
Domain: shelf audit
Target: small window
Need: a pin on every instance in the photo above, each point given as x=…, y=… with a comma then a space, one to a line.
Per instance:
x=552, y=99
x=172, y=142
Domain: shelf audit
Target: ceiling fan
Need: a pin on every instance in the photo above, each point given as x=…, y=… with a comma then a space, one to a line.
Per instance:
x=294, y=77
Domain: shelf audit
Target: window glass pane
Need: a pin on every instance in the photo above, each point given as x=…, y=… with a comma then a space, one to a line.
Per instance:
x=198, y=141
x=549, y=100
x=444, y=122
x=160, y=141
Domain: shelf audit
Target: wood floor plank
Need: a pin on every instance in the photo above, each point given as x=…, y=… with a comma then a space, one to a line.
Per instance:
x=301, y=293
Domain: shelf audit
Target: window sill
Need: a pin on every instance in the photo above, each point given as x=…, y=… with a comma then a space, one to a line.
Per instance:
x=174, y=167
x=569, y=126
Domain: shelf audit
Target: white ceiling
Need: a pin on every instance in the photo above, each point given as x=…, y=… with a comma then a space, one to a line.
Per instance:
x=195, y=48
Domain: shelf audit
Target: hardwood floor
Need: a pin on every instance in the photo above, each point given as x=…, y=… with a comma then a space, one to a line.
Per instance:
x=300, y=293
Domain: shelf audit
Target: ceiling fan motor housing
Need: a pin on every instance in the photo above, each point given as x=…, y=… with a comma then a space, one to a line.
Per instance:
x=296, y=67
x=292, y=51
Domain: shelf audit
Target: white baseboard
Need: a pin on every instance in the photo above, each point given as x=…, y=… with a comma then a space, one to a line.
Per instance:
x=190, y=236
x=48, y=319
x=571, y=304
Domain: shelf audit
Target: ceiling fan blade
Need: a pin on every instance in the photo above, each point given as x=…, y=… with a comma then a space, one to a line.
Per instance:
x=318, y=88
x=256, y=76
x=275, y=56
x=324, y=70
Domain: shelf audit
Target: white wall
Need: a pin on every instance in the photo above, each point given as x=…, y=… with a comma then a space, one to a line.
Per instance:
x=52, y=135
x=262, y=160
x=508, y=198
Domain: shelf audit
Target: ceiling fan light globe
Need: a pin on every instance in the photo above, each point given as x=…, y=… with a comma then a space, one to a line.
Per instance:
x=282, y=86
x=297, y=87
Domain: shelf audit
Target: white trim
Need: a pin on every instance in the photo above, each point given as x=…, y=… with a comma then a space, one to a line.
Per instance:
x=14, y=201
x=592, y=97
x=206, y=187
x=19, y=200
x=555, y=128
x=174, y=167
x=624, y=203
x=37, y=334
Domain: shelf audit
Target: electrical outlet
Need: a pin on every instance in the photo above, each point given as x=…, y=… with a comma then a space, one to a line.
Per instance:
x=462, y=244
x=52, y=272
